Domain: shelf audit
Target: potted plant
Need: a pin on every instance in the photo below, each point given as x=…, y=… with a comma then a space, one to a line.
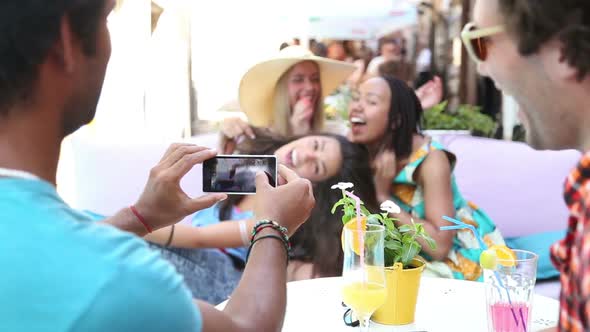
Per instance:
x=466, y=119
x=403, y=266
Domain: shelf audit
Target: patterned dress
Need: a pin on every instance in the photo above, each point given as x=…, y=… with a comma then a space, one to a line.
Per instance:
x=463, y=259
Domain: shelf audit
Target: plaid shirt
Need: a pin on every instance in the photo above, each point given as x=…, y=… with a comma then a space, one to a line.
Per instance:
x=571, y=255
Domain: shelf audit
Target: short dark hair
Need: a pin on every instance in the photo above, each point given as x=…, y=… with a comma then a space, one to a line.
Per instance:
x=534, y=22
x=28, y=29
x=397, y=68
x=405, y=116
x=385, y=41
x=319, y=49
x=283, y=46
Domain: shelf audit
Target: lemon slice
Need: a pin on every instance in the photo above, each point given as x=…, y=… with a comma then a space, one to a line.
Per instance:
x=488, y=259
x=356, y=240
x=506, y=257
x=497, y=254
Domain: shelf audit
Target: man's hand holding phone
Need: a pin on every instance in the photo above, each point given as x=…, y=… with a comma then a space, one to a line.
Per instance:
x=163, y=202
x=289, y=205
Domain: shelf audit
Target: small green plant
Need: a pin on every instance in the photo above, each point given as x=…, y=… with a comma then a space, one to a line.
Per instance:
x=336, y=105
x=466, y=117
x=401, y=243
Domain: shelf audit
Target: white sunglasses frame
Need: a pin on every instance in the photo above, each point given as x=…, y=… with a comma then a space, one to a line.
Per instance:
x=467, y=35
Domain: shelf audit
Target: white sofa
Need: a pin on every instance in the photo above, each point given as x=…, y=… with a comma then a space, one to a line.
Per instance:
x=105, y=175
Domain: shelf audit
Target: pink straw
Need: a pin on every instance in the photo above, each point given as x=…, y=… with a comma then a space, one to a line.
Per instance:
x=359, y=226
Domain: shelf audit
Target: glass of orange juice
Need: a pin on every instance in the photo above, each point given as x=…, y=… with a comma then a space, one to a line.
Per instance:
x=363, y=273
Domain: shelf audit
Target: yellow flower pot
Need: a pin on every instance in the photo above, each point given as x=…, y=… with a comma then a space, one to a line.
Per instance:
x=402, y=294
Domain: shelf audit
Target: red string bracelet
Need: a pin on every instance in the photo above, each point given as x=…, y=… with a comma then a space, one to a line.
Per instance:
x=140, y=218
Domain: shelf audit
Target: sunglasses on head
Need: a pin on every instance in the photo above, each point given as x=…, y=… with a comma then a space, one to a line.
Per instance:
x=475, y=40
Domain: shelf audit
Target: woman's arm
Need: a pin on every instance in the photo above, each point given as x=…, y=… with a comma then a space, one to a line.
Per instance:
x=225, y=234
x=232, y=131
x=434, y=176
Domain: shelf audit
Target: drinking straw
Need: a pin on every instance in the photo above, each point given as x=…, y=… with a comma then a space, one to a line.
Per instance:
x=461, y=225
x=359, y=227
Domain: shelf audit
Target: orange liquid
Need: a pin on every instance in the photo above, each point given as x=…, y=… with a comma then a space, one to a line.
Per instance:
x=364, y=298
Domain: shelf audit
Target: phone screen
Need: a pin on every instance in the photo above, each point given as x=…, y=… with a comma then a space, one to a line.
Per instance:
x=236, y=174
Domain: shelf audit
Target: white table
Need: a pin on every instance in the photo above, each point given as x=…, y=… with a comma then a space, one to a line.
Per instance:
x=443, y=305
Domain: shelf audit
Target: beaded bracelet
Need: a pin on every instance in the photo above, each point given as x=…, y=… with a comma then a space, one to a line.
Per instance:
x=270, y=236
x=262, y=224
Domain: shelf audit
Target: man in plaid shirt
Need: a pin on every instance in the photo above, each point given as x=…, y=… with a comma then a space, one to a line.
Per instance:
x=539, y=52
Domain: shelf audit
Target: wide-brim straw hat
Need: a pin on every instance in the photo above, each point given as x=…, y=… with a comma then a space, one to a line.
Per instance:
x=257, y=88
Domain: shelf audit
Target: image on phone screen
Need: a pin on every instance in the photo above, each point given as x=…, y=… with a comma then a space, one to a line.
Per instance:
x=236, y=174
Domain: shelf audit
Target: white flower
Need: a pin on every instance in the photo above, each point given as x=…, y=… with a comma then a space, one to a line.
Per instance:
x=343, y=185
x=390, y=207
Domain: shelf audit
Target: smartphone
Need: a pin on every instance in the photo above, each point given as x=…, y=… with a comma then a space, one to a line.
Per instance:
x=236, y=174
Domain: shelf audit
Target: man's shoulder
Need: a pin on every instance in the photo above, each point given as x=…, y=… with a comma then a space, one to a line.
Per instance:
x=144, y=293
x=96, y=277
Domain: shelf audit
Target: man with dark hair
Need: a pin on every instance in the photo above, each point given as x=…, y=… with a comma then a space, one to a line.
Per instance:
x=336, y=51
x=60, y=270
x=389, y=50
x=539, y=52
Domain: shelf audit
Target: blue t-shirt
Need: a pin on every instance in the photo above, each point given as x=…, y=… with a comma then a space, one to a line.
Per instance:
x=210, y=216
x=63, y=272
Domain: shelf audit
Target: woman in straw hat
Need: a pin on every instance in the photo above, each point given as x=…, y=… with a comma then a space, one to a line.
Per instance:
x=285, y=94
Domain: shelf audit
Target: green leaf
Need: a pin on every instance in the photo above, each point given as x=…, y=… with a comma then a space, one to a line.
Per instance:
x=390, y=226
x=396, y=246
x=389, y=257
x=408, y=238
x=373, y=220
x=419, y=229
x=405, y=228
x=345, y=201
x=349, y=209
x=409, y=251
x=336, y=205
x=394, y=234
x=430, y=241
x=346, y=218
x=365, y=211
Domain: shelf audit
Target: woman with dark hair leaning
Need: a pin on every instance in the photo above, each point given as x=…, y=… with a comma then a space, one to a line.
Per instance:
x=417, y=173
x=322, y=159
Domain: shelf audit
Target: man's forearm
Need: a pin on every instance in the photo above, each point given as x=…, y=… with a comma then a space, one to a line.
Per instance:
x=264, y=279
x=125, y=220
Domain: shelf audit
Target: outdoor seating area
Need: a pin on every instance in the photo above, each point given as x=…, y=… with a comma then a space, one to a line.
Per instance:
x=271, y=165
x=481, y=160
